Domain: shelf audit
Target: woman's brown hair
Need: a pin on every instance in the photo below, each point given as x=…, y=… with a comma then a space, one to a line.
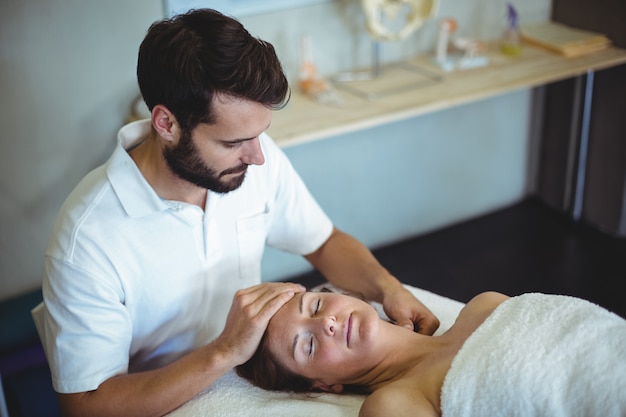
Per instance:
x=263, y=370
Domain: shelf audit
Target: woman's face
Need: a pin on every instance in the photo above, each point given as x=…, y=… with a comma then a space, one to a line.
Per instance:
x=326, y=337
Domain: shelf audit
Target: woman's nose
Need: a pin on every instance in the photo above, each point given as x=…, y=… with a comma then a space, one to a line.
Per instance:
x=329, y=325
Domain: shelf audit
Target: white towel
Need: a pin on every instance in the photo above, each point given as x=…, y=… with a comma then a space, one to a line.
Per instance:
x=232, y=396
x=541, y=355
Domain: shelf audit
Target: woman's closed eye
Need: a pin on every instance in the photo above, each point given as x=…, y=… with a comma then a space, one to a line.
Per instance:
x=317, y=306
x=311, y=346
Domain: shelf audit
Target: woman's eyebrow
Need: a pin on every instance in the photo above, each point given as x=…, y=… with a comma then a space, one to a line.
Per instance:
x=295, y=339
x=295, y=343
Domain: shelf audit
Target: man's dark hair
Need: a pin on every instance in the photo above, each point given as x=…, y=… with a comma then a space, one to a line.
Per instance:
x=186, y=60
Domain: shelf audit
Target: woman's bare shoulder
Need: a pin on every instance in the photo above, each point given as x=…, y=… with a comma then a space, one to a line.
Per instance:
x=391, y=401
x=488, y=299
x=477, y=309
x=485, y=302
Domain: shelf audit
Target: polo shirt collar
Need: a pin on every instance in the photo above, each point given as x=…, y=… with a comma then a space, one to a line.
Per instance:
x=135, y=194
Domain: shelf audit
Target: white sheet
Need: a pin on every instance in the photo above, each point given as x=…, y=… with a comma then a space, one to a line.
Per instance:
x=232, y=396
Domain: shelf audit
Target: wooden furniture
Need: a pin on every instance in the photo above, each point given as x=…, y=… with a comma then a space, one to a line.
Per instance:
x=304, y=120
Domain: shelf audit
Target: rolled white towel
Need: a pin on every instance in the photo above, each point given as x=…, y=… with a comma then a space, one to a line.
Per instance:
x=541, y=355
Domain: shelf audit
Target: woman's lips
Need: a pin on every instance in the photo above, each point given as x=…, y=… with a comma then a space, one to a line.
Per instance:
x=348, y=330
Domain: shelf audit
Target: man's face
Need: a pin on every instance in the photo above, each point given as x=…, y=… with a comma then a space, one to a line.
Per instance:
x=216, y=156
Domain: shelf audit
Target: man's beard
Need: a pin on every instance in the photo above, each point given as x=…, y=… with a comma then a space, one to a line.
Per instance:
x=184, y=161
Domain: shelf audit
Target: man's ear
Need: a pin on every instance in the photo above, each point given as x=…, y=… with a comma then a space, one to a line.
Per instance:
x=165, y=123
x=335, y=388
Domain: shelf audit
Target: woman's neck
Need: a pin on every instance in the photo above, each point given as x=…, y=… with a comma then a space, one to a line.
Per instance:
x=406, y=351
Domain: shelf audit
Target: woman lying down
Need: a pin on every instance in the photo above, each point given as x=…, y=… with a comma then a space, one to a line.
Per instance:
x=530, y=355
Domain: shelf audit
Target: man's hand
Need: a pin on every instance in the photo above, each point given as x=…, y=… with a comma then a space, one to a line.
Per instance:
x=407, y=311
x=249, y=316
x=347, y=263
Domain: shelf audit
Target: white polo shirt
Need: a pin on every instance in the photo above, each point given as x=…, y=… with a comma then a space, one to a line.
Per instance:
x=133, y=282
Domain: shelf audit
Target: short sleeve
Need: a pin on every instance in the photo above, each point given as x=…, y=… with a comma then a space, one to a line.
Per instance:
x=299, y=225
x=90, y=320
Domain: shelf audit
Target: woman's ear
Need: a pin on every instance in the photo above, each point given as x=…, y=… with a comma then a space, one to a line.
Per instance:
x=335, y=388
x=164, y=123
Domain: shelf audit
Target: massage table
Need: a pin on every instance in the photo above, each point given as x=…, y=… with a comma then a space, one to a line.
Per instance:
x=536, y=355
x=233, y=396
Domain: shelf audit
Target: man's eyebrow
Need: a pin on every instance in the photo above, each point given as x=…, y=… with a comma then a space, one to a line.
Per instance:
x=232, y=141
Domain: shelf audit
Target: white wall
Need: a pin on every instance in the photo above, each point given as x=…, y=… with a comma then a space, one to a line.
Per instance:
x=67, y=79
x=404, y=179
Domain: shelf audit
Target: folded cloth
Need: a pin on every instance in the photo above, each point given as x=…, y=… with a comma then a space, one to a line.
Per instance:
x=232, y=396
x=541, y=355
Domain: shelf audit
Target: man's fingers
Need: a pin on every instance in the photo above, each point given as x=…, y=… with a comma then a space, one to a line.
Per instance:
x=407, y=324
x=271, y=287
x=254, y=299
x=263, y=288
x=427, y=327
x=249, y=316
x=274, y=304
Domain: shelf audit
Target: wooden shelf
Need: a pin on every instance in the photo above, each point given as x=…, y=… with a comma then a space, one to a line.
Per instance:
x=304, y=120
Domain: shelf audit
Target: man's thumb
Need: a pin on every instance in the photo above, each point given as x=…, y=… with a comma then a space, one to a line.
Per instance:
x=407, y=325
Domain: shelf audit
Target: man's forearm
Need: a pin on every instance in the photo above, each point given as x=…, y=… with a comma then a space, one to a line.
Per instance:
x=155, y=393
x=350, y=265
x=152, y=393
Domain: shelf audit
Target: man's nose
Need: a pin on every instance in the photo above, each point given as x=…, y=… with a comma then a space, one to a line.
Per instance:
x=252, y=153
